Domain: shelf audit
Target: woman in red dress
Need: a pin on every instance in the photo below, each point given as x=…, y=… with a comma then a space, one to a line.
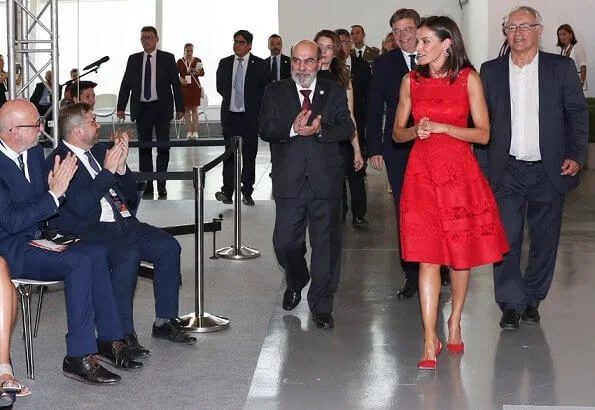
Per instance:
x=448, y=212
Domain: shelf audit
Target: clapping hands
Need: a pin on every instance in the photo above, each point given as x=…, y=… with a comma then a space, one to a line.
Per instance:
x=60, y=176
x=300, y=124
x=115, y=157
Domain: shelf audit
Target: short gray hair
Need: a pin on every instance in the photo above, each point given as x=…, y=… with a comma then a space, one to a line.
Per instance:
x=523, y=9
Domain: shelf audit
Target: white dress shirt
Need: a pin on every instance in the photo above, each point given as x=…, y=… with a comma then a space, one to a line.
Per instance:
x=298, y=87
x=245, y=63
x=154, y=96
x=407, y=58
x=348, y=62
x=357, y=50
x=14, y=156
x=524, y=110
x=107, y=212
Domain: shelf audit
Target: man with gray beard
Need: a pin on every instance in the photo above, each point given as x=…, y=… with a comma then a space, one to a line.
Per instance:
x=305, y=119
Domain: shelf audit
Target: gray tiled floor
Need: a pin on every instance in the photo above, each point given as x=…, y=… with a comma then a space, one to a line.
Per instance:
x=272, y=359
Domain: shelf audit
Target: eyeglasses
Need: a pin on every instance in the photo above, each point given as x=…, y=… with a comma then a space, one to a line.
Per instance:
x=93, y=121
x=406, y=30
x=523, y=27
x=147, y=38
x=328, y=47
x=345, y=42
x=36, y=125
x=307, y=61
x=240, y=42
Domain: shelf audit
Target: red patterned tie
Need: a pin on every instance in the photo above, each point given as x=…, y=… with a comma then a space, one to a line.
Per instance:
x=306, y=105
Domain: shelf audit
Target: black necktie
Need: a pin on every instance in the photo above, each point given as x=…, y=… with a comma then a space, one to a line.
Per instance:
x=413, y=63
x=274, y=69
x=359, y=54
x=306, y=104
x=21, y=164
x=147, y=85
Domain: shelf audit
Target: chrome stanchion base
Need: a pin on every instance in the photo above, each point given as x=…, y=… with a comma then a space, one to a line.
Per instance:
x=207, y=323
x=230, y=252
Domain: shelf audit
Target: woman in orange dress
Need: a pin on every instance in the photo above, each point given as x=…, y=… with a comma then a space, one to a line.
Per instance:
x=448, y=212
x=190, y=68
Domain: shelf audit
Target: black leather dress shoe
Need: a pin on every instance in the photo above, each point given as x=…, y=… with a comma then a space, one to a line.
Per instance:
x=136, y=350
x=117, y=354
x=510, y=319
x=291, y=299
x=444, y=275
x=87, y=369
x=172, y=331
x=323, y=320
x=531, y=315
x=162, y=192
x=220, y=196
x=357, y=221
x=408, y=290
x=148, y=193
x=247, y=200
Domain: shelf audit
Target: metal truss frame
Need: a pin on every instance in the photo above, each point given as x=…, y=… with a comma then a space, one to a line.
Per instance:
x=27, y=35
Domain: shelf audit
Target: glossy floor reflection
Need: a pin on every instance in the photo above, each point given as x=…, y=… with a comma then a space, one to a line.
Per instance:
x=272, y=359
x=369, y=361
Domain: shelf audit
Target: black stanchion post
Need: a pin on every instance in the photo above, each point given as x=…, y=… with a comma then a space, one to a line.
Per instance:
x=199, y=321
x=237, y=251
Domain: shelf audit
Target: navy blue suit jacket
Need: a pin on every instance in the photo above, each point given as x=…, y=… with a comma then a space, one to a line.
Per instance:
x=167, y=80
x=388, y=71
x=82, y=209
x=563, y=118
x=24, y=206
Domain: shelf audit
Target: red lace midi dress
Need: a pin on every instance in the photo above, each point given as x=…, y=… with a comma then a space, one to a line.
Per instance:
x=448, y=213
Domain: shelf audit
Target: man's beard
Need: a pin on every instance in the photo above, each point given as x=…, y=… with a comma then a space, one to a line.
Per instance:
x=303, y=79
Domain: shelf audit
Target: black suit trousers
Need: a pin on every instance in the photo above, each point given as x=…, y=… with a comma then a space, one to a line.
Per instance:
x=150, y=117
x=357, y=185
x=240, y=124
x=322, y=218
x=526, y=191
x=396, y=164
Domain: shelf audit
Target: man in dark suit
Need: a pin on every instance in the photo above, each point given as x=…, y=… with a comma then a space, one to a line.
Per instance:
x=28, y=197
x=241, y=79
x=360, y=49
x=308, y=173
x=360, y=75
x=101, y=208
x=387, y=72
x=149, y=80
x=532, y=161
x=279, y=64
x=42, y=97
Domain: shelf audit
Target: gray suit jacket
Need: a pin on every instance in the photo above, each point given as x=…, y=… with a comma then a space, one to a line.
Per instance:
x=563, y=118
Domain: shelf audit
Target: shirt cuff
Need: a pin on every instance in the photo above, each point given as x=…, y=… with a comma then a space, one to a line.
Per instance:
x=55, y=198
x=292, y=133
